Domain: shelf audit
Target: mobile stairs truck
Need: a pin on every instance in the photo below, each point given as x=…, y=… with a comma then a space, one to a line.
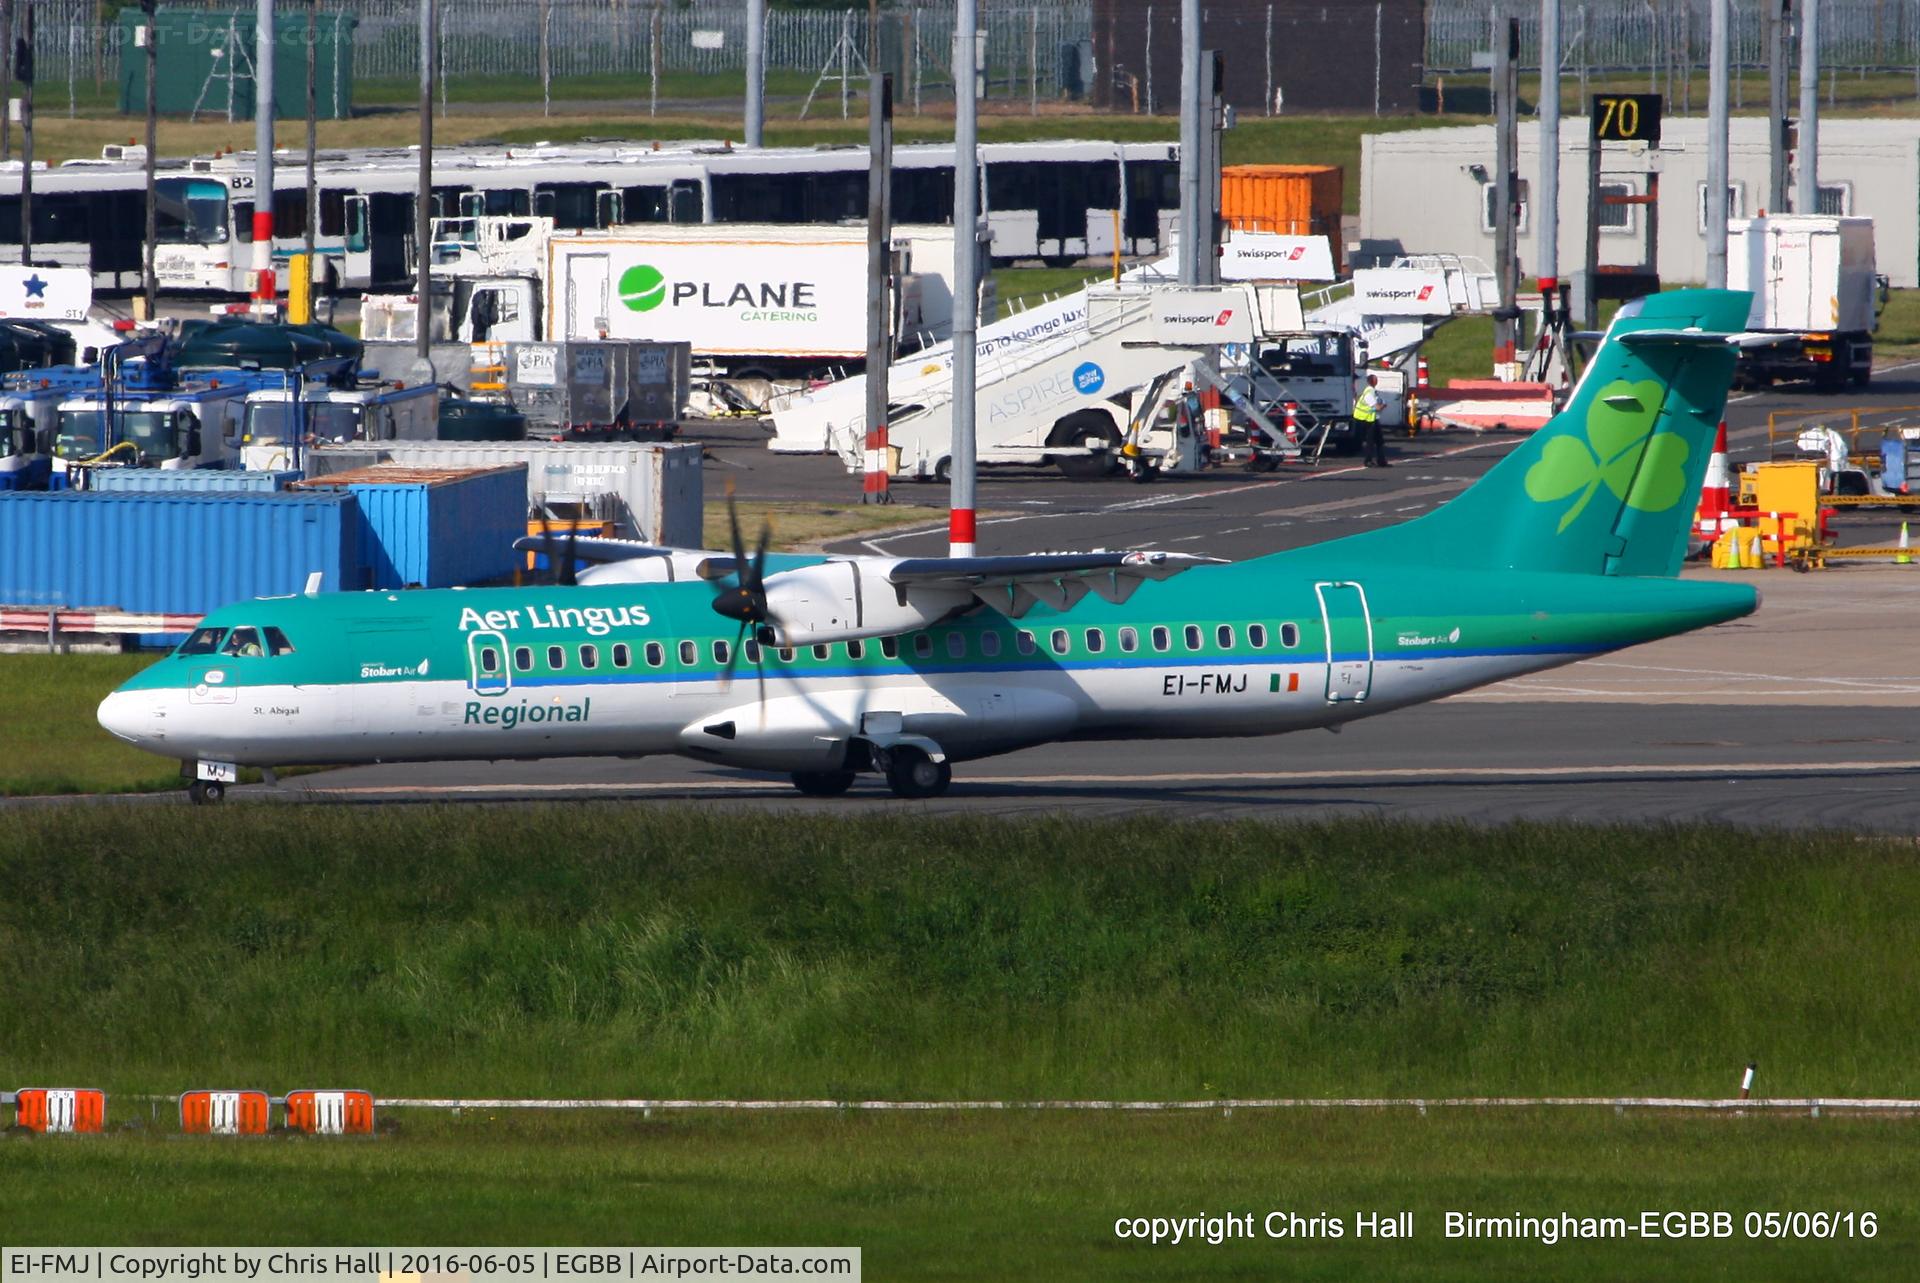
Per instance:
x=1089, y=395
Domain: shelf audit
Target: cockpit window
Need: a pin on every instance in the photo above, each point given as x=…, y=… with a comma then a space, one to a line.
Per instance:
x=244, y=642
x=277, y=643
x=203, y=641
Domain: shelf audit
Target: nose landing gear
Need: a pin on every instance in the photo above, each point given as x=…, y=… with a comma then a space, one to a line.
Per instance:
x=206, y=792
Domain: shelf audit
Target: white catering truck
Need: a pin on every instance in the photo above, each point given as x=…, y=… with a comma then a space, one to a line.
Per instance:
x=1815, y=288
x=765, y=300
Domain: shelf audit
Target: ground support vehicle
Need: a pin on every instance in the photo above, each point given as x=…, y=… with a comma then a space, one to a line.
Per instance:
x=281, y=422
x=189, y=427
x=1087, y=396
x=29, y=410
x=1815, y=291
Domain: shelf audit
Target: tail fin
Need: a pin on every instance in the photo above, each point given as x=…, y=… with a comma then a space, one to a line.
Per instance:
x=1608, y=486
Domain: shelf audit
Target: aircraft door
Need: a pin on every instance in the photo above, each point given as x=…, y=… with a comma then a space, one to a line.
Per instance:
x=1349, y=628
x=487, y=669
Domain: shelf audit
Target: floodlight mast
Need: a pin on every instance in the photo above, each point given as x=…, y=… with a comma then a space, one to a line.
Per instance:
x=966, y=276
x=264, y=288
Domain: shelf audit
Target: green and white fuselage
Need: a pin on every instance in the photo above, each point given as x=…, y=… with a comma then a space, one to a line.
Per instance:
x=1566, y=550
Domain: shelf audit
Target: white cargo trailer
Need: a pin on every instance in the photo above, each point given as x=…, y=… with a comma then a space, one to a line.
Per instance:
x=1814, y=285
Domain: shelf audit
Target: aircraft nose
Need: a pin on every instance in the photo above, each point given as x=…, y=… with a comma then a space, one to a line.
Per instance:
x=133, y=716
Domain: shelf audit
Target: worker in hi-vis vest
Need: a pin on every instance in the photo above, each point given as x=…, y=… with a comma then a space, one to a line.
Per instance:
x=1366, y=413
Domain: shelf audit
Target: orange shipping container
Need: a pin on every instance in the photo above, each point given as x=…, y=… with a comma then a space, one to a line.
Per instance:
x=1294, y=200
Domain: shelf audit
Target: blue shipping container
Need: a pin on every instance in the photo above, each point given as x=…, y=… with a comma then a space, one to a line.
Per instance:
x=173, y=553
x=181, y=480
x=442, y=532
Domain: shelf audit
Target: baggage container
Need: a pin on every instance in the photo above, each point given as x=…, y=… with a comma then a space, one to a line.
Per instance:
x=655, y=489
x=588, y=386
x=1293, y=200
x=201, y=480
x=424, y=527
x=174, y=553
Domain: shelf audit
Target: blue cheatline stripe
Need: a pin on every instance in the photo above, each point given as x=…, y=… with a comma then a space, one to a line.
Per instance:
x=744, y=671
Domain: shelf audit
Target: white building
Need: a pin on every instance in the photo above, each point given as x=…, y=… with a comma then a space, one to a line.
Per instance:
x=1431, y=190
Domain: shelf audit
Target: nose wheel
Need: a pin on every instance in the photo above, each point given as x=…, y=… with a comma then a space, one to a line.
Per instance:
x=206, y=792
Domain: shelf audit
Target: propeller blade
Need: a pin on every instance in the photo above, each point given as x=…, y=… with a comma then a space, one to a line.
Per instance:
x=733, y=657
x=569, y=573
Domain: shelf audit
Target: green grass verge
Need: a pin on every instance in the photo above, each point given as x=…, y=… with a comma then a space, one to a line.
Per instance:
x=52, y=744
x=620, y=950
x=1010, y=1197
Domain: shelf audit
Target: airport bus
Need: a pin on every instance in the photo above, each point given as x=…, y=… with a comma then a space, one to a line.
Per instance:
x=1056, y=202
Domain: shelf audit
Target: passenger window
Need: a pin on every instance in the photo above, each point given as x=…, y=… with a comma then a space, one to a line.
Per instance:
x=202, y=641
x=689, y=654
x=277, y=643
x=1162, y=638
x=1289, y=635
x=656, y=654
x=856, y=649
x=1257, y=636
x=752, y=651
x=956, y=645
x=1024, y=643
x=1192, y=636
x=523, y=659
x=243, y=642
x=589, y=657
x=989, y=644
x=821, y=650
x=786, y=654
x=923, y=645
x=1096, y=641
x=720, y=652
x=890, y=647
x=1059, y=641
x=622, y=655
x=556, y=657
x=1129, y=640
x=489, y=660
x=1224, y=636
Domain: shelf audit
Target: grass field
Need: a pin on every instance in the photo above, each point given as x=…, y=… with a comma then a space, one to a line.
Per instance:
x=636, y=951
x=619, y=950
x=1009, y=1197
x=49, y=742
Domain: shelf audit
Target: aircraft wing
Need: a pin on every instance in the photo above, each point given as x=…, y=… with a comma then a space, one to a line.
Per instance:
x=1014, y=585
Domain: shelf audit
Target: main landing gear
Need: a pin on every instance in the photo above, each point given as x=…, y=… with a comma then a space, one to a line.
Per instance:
x=911, y=771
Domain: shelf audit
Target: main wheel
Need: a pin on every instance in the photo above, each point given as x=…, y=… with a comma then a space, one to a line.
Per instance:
x=1077, y=429
x=911, y=773
x=823, y=783
x=206, y=792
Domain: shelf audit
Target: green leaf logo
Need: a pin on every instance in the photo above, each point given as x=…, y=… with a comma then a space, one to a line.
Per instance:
x=1649, y=476
x=642, y=288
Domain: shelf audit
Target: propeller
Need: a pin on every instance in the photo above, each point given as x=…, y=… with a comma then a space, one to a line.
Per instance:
x=561, y=565
x=745, y=599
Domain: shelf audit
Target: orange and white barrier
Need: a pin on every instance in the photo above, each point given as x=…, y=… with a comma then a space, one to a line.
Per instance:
x=1480, y=404
x=330, y=1113
x=43, y=620
x=61, y=1110
x=224, y=1113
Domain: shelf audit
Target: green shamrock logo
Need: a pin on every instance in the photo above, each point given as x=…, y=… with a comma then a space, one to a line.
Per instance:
x=1620, y=421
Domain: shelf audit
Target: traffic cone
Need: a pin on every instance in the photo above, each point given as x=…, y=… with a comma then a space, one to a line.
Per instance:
x=1903, y=557
x=1709, y=516
x=1756, y=555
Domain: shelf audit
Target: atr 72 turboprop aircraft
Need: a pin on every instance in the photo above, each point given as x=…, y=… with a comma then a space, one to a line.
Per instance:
x=1568, y=548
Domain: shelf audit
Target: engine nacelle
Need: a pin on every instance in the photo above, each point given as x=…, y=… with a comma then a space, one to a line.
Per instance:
x=845, y=600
